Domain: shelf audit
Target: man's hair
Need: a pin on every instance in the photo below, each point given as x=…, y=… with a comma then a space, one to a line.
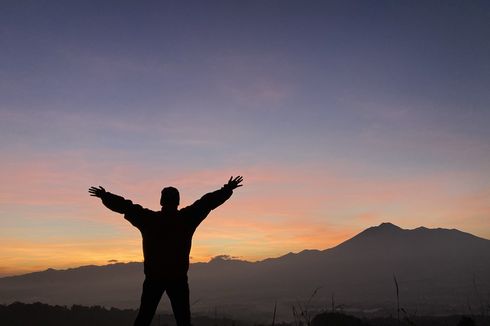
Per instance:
x=170, y=196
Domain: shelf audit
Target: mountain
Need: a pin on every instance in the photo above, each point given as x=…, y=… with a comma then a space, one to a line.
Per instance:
x=437, y=270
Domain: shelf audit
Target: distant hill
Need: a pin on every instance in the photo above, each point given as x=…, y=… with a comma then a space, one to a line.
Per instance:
x=438, y=271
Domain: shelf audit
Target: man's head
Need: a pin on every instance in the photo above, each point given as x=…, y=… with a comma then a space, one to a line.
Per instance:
x=170, y=198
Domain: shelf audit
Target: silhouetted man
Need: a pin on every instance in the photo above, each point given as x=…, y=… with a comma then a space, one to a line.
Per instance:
x=167, y=240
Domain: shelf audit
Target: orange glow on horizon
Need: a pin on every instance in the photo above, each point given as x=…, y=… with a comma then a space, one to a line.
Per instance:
x=52, y=222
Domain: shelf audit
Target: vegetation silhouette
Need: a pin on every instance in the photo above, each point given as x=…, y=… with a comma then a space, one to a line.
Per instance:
x=167, y=239
x=336, y=319
x=40, y=314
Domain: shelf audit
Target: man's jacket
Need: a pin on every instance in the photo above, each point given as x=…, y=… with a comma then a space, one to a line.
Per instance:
x=167, y=237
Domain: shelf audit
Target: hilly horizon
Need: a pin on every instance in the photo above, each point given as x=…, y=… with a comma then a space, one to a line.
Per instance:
x=383, y=228
x=438, y=271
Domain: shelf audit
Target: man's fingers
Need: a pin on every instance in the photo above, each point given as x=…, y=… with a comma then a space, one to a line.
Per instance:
x=235, y=181
x=96, y=192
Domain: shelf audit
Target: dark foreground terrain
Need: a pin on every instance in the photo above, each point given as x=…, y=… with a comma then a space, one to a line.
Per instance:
x=39, y=314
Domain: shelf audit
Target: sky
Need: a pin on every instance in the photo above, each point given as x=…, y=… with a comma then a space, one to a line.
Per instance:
x=340, y=115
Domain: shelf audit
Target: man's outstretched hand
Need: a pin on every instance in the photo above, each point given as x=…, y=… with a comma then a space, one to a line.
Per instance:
x=234, y=183
x=96, y=192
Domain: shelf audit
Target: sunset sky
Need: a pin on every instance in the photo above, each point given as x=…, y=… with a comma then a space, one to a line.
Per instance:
x=340, y=115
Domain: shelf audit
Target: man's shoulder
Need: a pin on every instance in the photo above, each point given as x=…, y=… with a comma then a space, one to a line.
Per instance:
x=184, y=211
x=189, y=212
x=140, y=211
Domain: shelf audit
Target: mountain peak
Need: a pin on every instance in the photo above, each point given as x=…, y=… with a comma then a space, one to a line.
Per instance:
x=388, y=235
x=383, y=228
x=387, y=226
x=373, y=234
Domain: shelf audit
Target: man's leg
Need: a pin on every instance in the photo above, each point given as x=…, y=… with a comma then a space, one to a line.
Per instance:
x=150, y=297
x=178, y=293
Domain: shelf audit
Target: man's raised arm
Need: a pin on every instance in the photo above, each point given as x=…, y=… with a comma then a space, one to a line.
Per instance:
x=201, y=208
x=132, y=212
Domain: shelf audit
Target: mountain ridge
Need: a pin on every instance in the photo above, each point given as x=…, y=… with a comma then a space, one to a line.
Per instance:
x=439, y=266
x=382, y=227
